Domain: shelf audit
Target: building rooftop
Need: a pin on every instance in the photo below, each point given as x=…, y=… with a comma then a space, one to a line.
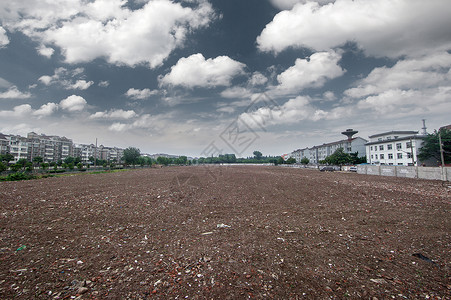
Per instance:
x=393, y=133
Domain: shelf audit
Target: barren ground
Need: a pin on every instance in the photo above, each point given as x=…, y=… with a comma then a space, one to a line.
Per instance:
x=224, y=233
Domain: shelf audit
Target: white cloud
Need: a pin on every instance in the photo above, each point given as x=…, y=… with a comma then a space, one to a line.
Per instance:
x=4, y=83
x=293, y=111
x=45, y=51
x=140, y=94
x=18, y=111
x=73, y=103
x=400, y=103
x=3, y=37
x=114, y=114
x=196, y=71
x=46, y=110
x=67, y=79
x=80, y=85
x=14, y=93
x=311, y=72
x=107, y=28
x=104, y=83
x=380, y=27
x=143, y=122
x=236, y=93
x=288, y=4
x=329, y=96
x=420, y=73
x=258, y=79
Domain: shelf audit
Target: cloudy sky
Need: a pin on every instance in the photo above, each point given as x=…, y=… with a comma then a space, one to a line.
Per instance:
x=199, y=77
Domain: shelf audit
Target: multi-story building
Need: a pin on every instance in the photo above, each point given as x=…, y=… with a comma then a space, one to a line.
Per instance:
x=394, y=148
x=54, y=148
x=18, y=147
x=85, y=151
x=4, y=144
x=112, y=154
x=50, y=148
x=318, y=153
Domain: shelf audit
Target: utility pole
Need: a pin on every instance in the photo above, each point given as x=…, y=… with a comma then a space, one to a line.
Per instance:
x=411, y=152
x=441, y=155
x=95, y=156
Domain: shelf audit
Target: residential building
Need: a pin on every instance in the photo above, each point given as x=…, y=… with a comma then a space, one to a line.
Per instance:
x=50, y=148
x=85, y=151
x=318, y=153
x=4, y=144
x=18, y=147
x=394, y=148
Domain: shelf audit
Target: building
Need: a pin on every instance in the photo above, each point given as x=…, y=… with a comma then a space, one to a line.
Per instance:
x=54, y=148
x=398, y=148
x=18, y=147
x=4, y=144
x=318, y=153
x=50, y=148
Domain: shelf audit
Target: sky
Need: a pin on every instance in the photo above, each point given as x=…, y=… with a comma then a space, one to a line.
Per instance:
x=204, y=77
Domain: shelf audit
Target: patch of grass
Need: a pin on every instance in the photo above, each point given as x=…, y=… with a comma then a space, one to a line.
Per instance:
x=17, y=176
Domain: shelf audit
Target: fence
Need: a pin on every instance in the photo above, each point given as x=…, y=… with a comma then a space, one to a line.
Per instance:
x=430, y=173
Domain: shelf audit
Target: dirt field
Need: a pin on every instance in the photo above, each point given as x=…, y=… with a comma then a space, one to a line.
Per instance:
x=225, y=233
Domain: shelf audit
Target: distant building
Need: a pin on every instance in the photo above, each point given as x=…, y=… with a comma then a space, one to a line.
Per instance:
x=394, y=148
x=18, y=147
x=4, y=144
x=54, y=148
x=50, y=148
x=318, y=153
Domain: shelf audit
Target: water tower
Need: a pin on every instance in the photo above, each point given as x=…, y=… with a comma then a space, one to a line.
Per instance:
x=349, y=133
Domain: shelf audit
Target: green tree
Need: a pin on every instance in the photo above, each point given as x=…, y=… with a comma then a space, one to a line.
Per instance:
x=163, y=160
x=305, y=161
x=339, y=157
x=80, y=166
x=44, y=166
x=291, y=160
x=22, y=162
x=7, y=158
x=257, y=155
x=15, y=167
x=37, y=160
x=131, y=155
x=3, y=167
x=69, y=160
x=431, y=147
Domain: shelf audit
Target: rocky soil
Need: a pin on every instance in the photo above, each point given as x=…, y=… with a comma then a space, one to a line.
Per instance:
x=225, y=233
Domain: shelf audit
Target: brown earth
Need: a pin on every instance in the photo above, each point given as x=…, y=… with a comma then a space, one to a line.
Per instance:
x=225, y=232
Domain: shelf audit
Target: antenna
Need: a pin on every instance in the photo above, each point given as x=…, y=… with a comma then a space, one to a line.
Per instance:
x=424, y=127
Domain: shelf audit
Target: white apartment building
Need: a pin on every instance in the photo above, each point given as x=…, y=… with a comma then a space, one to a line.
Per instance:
x=18, y=147
x=317, y=153
x=394, y=148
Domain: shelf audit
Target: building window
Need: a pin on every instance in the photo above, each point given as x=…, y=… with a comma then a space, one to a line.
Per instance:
x=381, y=147
x=371, y=148
x=409, y=144
x=390, y=156
x=409, y=155
x=376, y=156
x=371, y=156
x=398, y=146
x=400, y=164
x=389, y=146
x=382, y=156
x=399, y=155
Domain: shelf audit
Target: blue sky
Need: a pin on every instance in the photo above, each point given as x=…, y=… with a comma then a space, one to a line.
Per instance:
x=198, y=77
